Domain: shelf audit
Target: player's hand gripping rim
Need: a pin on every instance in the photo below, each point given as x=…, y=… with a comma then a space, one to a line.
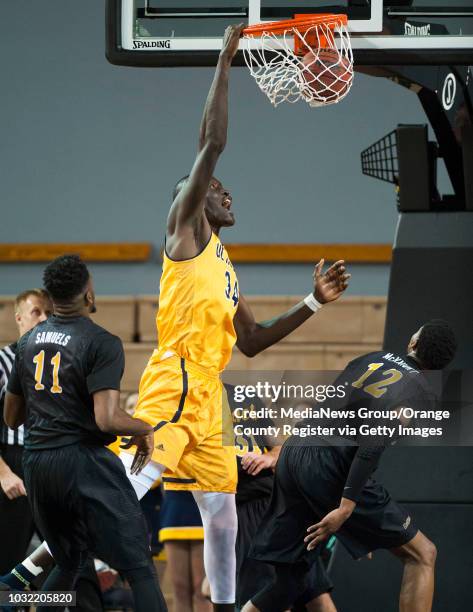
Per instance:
x=231, y=40
x=144, y=450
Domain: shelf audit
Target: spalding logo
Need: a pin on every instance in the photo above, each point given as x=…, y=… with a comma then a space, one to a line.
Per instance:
x=152, y=44
x=416, y=30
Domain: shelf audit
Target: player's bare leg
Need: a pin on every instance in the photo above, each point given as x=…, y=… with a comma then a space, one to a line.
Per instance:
x=179, y=567
x=199, y=600
x=417, y=588
x=322, y=603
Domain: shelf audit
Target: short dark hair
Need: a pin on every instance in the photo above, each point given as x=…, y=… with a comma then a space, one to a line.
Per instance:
x=436, y=345
x=65, y=277
x=42, y=294
x=178, y=186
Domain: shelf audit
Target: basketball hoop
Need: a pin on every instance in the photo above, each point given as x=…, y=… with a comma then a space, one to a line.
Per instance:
x=307, y=58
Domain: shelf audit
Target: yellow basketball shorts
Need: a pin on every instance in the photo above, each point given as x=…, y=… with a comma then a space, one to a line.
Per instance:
x=183, y=403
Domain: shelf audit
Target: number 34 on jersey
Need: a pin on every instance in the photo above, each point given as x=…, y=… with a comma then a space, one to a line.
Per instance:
x=231, y=284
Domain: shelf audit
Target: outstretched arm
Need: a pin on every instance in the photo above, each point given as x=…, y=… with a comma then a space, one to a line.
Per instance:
x=363, y=465
x=253, y=337
x=187, y=209
x=110, y=418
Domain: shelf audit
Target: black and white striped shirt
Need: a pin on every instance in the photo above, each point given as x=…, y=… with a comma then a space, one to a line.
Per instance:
x=7, y=435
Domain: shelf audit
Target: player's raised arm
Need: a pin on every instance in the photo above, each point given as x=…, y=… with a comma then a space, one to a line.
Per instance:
x=253, y=337
x=188, y=207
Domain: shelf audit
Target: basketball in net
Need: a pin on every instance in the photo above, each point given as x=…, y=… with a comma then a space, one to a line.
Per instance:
x=307, y=58
x=326, y=74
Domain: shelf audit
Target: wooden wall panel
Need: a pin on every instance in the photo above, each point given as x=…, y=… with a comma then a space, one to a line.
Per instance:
x=352, y=319
x=337, y=322
x=336, y=357
x=373, y=319
x=338, y=333
x=147, y=309
x=277, y=358
x=267, y=307
x=118, y=316
x=283, y=356
x=8, y=329
x=136, y=358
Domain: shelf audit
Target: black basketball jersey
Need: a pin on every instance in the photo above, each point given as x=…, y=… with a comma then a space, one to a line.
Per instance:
x=384, y=381
x=58, y=367
x=377, y=384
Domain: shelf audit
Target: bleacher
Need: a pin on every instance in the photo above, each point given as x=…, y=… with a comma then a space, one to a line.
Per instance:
x=327, y=341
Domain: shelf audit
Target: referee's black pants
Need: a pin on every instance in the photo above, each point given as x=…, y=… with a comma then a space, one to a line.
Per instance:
x=16, y=520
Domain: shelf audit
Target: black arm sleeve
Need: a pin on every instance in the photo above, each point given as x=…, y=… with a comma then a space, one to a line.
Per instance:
x=107, y=363
x=363, y=465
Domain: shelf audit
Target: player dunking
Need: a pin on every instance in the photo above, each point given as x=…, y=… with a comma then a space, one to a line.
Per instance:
x=329, y=481
x=201, y=316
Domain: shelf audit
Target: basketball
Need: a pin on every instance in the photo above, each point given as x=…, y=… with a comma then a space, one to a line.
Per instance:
x=326, y=73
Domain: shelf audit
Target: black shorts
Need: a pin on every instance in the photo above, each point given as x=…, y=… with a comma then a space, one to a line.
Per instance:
x=308, y=484
x=82, y=501
x=151, y=506
x=254, y=575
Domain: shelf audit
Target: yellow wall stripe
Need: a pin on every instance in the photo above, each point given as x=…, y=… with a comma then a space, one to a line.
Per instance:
x=239, y=253
x=104, y=251
x=309, y=253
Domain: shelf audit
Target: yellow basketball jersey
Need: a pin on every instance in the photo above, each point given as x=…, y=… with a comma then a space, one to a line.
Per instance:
x=197, y=302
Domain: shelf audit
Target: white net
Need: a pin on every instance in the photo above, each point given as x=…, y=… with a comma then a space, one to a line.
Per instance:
x=315, y=66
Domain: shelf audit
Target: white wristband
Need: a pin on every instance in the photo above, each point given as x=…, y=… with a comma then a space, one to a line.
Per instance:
x=312, y=303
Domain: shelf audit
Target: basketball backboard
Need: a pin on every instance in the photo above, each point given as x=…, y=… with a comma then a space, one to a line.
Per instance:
x=189, y=32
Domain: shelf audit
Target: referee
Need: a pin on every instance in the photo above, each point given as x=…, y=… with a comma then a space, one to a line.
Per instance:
x=16, y=525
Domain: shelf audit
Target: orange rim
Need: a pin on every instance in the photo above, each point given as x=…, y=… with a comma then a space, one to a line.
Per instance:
x=301, y=22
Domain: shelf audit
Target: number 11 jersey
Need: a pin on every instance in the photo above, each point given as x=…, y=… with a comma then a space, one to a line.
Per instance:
x=58, y=367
